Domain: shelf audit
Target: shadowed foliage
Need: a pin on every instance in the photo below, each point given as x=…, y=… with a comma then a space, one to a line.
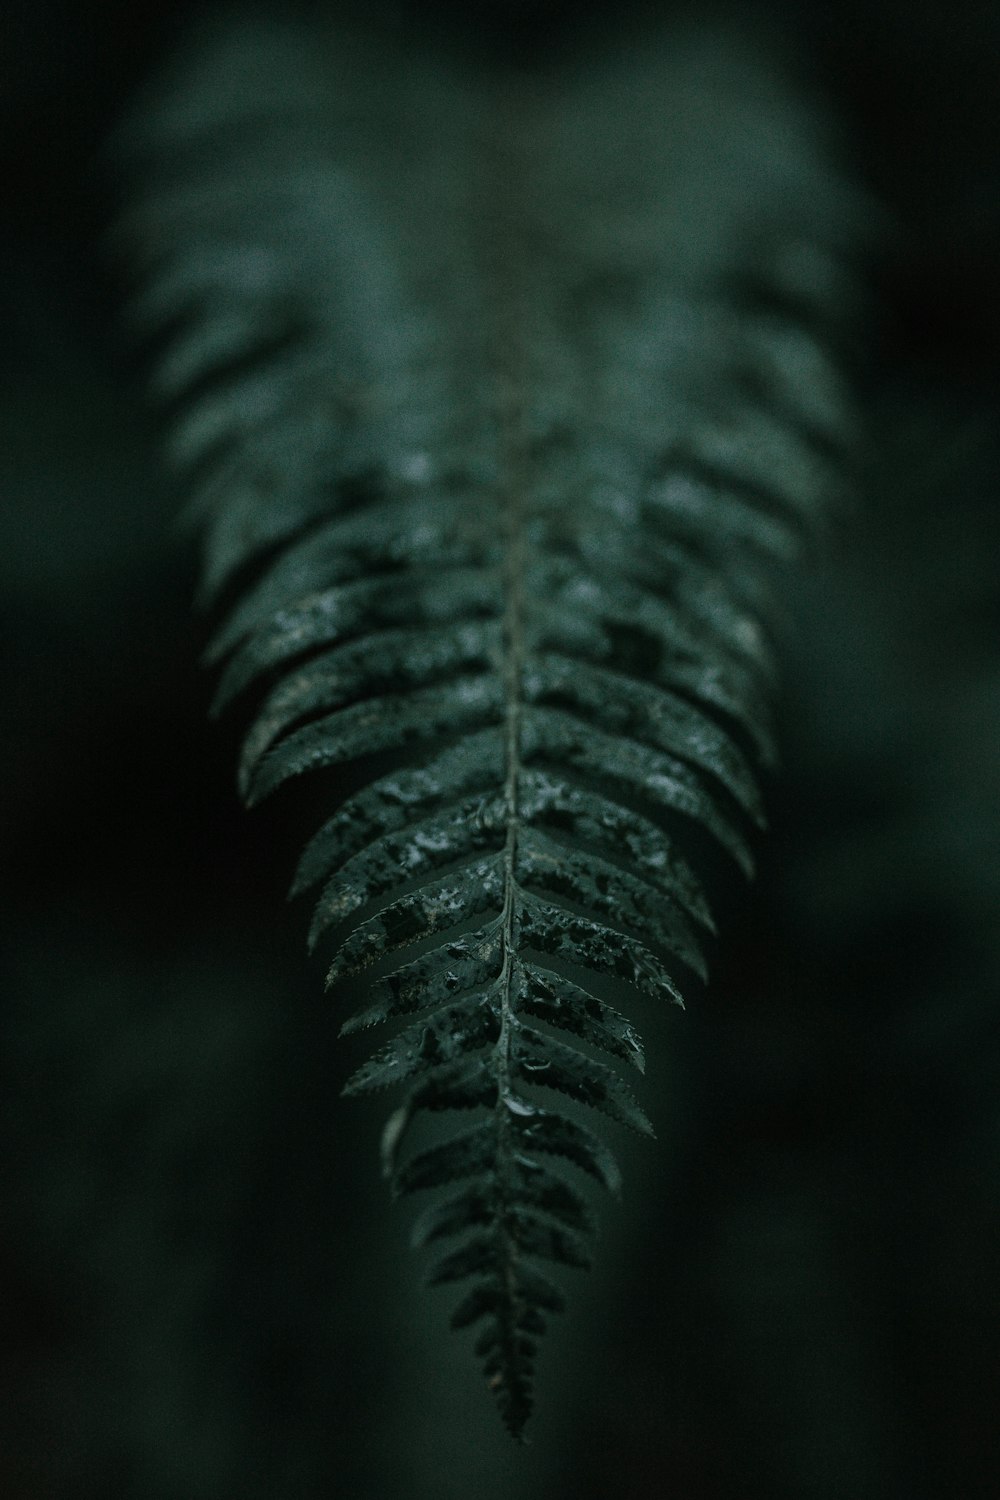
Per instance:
x=505, y=399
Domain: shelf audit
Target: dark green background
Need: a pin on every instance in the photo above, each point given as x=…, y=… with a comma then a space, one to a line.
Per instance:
x=203, y=1290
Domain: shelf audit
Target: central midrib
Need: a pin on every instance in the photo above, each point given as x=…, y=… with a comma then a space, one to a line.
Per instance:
x=507, y=288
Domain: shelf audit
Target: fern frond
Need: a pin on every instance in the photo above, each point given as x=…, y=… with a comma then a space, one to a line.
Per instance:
x=513, y=392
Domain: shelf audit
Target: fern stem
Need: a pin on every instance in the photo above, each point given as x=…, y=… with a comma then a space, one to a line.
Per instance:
x=504, y=253
x=512, y=673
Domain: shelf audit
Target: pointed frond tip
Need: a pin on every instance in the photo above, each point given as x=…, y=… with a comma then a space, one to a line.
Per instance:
x=503, y=424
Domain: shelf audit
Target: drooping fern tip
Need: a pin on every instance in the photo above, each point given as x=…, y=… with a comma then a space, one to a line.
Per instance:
x=505, y=398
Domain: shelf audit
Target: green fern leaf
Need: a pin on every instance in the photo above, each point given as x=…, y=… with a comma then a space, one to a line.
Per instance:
x=504, y=400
